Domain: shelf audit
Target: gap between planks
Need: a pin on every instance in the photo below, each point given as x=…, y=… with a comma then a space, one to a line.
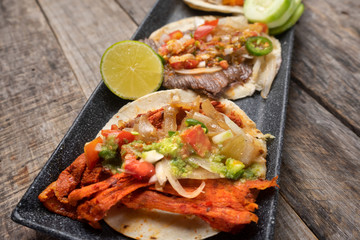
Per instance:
x=328, y=107
x=58, y=42
x=308, y=232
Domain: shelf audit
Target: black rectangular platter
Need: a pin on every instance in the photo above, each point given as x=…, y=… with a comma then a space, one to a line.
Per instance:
x=269, y=115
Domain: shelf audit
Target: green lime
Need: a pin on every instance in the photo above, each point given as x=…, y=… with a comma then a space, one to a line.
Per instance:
x=131, y=69
x=292, y=20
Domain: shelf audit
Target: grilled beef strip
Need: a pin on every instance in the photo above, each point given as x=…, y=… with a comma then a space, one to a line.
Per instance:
x=211, y=84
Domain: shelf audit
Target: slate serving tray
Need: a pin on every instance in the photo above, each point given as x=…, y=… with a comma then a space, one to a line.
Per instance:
x=268, y=114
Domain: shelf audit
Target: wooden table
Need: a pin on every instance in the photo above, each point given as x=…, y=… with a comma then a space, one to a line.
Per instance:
x=50, y=53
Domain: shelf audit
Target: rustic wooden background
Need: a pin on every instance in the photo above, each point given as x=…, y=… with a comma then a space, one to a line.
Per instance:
x=49, y=66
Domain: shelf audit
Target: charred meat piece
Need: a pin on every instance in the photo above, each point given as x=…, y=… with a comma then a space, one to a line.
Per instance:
x=70, y=178
x=211, y=84
x=225, y=205
x=95, y=209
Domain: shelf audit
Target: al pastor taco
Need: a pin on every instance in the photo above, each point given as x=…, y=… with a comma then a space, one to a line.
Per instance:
x=223, y=6
x=220, y=57
x=170, y=165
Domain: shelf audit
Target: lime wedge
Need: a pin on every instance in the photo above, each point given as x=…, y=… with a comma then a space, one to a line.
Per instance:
x=131, y=69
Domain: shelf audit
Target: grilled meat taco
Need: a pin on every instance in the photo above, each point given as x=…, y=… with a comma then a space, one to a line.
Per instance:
x=220, y=57
x=223, y=6
x=170, y=165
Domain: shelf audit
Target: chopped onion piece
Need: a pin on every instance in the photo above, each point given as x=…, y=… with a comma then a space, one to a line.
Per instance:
x=228, y=51
x=177, y=186
x=234, y=39
x=160, y=172
x=202, y=162
x=153, y=179
x=233, y=126
x=247, y=56
x=151, y=156
x=221, y=137
x=199, y=21
x=98, y=147
x=210, y=111
x=209, y=123
x=145, y=129
x=209, y=38
x=225, y=38
x=199, y=70
x=164, y=38
x=201, y=64
x=169, y=123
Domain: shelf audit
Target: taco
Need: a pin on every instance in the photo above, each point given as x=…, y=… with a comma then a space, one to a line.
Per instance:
x=170, y=165
x=220, y=57
x=223, y=6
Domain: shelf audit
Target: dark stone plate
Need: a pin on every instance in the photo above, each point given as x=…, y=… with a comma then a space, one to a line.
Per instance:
x=268, y=114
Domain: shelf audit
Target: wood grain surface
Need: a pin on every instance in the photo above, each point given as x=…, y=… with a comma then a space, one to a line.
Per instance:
x=327, y=57
x=320, y=168
x=49, y=65
x=84, y=35
x=39, y=99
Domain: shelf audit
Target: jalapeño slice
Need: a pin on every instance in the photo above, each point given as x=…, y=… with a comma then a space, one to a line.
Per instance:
x=193, y=122
x=258, y=46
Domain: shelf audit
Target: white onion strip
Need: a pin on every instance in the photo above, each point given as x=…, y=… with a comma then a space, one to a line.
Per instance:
x=177, y=186
x=233, y=126
x=199, y=70
x=160, y=172
x=204, y=163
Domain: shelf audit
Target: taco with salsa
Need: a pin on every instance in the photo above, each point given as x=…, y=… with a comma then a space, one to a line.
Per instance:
x=220, y=57
x=170, y=165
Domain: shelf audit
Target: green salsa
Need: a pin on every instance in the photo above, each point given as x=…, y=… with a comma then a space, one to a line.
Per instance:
x=109, y=154
x=169, y=147
x=177, y=152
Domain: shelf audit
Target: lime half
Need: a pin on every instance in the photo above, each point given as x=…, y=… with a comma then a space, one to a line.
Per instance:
x=131, y=69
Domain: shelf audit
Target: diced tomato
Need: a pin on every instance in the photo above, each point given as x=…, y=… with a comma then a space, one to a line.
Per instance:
x=174, y=46
x=212, y=22
x=177, y=65
x=189, y=43
x=176, y=34
x=264, y=27
x=114, y=127
x=140, y=170
x=91, y=154
x=224, y=64
x=190, y=63
x=203, y=30
x=197, y=139
x=249, y=33
x=123, y=137
x=233, y=2
x=163, y=50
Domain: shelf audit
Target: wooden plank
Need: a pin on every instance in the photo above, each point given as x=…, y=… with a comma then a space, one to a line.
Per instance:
x=39, y=99
x=85, y=29
x=320, y=169
x=137, y=10
x=327, y=57
x=289, y=225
